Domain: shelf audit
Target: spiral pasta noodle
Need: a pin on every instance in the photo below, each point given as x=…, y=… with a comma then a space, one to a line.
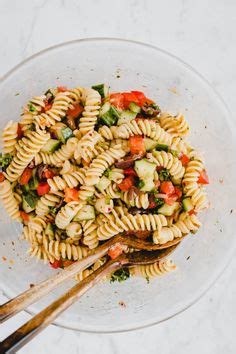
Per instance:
x=9, y=137
x=91, y=110
x=9, y=201
x=26, y=152
x=70, y=180
x=168, y=161
x=176, y=126
x=133, y=200
x=66, y=214
x=90, y=235
x=155, y=269
x=100, y=164
x=46, y=202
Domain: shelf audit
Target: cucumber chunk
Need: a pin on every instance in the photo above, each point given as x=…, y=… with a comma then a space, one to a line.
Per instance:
x=168, y=210
x=187, y=204
x=102, y=89
x=103, y=183
x=134, y=107
x=161, y=147
x=87, y=213
x=28, y=203
x=108, y=114
x=51, y=145
x=25, y=188
x=150, y=144
x=145, y=171
x=126, y=116
x=66, y=133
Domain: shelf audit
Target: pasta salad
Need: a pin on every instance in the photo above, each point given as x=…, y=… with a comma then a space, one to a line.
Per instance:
x=83, y=165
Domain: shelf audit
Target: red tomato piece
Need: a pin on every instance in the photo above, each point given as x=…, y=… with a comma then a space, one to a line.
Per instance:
x=126, y=184
x=140, y=96
x=184, y=159
x=19, y=131
x=192, y=212
x=61, y=89
x=76, y=111
x=203, y=177
x=24, y=216
x=117, y=100
x=137, y=146
x=71, y=194
x=171, y=199
x=43, y=188
x=56, y=264
x=128, y=98
x=48, y=173
x=2, y=177
x=26, y=175
x=115, y=251
x=167, y=187
x=130, y=172
x=178, y=192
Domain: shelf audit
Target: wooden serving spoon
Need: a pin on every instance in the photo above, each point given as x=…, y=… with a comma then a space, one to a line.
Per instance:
x=35, y=325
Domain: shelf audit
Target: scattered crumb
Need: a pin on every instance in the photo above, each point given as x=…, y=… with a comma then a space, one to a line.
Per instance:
x=10, y=268
x=173, y=90
x=3, y=244
x=91, y=69
x=4, y=258
x=205, y=127
x=12, y=242
x=31, y=285
x=137, y=74
x=221, y=230
x=232, y=211
x=57, y=78
x=17, y=94
x=11, y=261
x=122, y=303
x=221, y=180
x=144, y=86
x=117, y=76
x=188, y=258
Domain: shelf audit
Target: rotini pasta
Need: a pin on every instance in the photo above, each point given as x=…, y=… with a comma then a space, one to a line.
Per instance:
x=168, y=161
x=155, y=269
x=70, y=180
x=176, y=126
x=9, y=201
x=92, y=102
x=9, y=137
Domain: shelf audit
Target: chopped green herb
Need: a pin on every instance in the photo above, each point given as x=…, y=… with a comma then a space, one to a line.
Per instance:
x=147, y=279
x=164, y=175
x=120, y=275
x=17, y=94
x=141, y=184
x=107, y=172
x=175, y=153
x=31, y=107
x=159, y=202
x=151, y=110
x=53, y=210
x=5, y=160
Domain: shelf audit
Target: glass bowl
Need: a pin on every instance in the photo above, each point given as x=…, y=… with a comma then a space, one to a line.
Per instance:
x=127, y=65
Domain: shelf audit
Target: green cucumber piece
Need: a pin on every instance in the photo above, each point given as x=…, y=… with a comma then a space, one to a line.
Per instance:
x=145, y=171
x=108, y=114
x=187, y=204
x=25, y=188
x=162, y=147
x=66, y=133
x=51, y=145
x=134, y=107
x=168, y=210
x=150, y=144
x=28, y=203
x=87, y=213
x=33, y=183
x=102, y=89
x=126, y=116
x=103, y=183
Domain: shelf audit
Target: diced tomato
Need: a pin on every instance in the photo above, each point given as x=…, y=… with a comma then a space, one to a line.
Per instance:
x=130, y=172
x=67, y=263
x=171, y=199
x=2, y=177
x=47, y=107
x=192, y=212
x=157, y=183
x=24, y=216
x=128, y=98
x=117, y=100
x=61, y=89
x=19, y=131
x=126, y=183
x=178, y=192
x=203, y=177
x=140, y=96
x=115, y=251
x=184, y=159
x=137, y=146
x=43, y=188
x=159, y=168
x=71, y=194
x=56, y=264
x=152, y=204
x=76, y=111
x=48, y=173
x=26, y=175
x=167, y=187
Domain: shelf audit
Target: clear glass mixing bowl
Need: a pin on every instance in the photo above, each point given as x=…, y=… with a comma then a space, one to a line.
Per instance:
x=127, y=65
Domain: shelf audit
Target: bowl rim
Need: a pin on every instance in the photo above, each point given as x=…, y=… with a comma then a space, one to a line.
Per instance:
x=230, y=123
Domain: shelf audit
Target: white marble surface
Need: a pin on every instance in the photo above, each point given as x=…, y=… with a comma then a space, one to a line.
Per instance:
x=203, y=33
